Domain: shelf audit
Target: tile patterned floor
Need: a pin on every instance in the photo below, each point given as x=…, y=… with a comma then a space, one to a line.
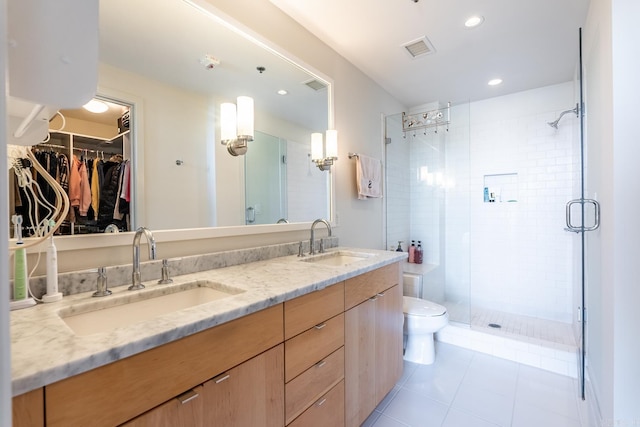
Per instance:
x=464, y=388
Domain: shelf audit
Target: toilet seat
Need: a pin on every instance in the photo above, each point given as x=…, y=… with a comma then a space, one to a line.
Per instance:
x=420, y=307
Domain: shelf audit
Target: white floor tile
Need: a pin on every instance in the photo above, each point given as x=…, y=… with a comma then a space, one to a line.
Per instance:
x=464, y=388
x=490, y=406
x=384, y=421
x=525, y=415
x=416, y=410
x=458, y=418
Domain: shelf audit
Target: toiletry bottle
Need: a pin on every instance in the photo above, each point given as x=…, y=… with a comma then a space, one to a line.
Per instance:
x=20, y=278
x=418, y=254
x=20, y=275
x=52, y=294
x=399, y=248
x=412, y=251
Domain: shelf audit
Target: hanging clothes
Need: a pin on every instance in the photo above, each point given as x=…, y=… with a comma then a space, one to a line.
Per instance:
x=85, y=190
x=95, y=189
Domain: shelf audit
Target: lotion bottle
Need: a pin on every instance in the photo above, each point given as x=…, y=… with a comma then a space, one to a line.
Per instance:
x=418, y=254
x=412, y=251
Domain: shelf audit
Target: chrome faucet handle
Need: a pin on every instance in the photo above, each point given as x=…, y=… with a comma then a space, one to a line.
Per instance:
x=321, y=245
x=300, y=250
x=165, y=280
x=101, y=284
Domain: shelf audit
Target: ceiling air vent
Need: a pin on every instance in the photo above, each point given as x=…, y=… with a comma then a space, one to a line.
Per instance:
x=419, y=47
x=315, y=84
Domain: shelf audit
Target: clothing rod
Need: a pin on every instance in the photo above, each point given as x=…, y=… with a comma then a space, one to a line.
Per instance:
x=45, y=144
x=352, y=155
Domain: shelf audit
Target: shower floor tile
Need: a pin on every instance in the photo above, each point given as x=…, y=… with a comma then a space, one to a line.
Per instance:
x=524, y=328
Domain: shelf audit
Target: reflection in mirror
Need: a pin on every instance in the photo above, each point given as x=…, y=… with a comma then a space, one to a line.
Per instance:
x=282, y=183
x=156, y=57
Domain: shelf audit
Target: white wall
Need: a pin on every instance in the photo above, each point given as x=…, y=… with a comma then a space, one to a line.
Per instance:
x=613, y=177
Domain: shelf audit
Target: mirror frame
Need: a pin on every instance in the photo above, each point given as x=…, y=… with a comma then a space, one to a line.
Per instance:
x=89, y=241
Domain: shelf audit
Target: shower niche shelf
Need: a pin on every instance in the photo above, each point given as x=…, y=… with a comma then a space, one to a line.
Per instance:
x=501, y=188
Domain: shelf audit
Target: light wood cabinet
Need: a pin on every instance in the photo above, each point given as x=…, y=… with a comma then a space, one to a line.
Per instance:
x=251, y=394
x=373, y=342
x=117, y=392
x=314, y=352
x=28, y=409
x=185, y=410
x=326, y=411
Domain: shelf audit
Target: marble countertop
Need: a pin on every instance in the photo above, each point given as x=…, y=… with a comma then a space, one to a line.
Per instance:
x=45, y=350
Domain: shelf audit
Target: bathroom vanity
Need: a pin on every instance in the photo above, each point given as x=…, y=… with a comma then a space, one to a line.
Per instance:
x=300, y=342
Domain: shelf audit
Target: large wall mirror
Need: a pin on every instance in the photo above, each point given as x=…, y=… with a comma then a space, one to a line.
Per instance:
x=174, y=63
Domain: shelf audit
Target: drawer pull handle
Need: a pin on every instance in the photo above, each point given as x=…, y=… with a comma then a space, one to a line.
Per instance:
x=321, y=363
x=219, y=380
x=381, y=294
x=188, y=397
x=321, y=402
x=320, y=326
x=373, y=298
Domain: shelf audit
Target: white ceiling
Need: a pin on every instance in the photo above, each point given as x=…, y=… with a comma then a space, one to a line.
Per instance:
x=527, y=43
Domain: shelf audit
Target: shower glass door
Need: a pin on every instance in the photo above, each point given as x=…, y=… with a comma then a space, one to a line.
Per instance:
x=583, y=215
x=427, y=201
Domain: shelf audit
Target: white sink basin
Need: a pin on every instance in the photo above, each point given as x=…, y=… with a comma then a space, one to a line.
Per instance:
x=108, y=313
x=337, y=258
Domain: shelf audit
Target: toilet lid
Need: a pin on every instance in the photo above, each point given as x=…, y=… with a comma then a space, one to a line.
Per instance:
x=421, y=307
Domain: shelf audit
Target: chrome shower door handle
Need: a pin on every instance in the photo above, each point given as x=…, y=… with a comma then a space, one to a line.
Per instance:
x=596, y=216
x=582, y=202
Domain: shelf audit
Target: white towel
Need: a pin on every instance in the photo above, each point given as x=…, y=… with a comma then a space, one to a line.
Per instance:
x=368, y=177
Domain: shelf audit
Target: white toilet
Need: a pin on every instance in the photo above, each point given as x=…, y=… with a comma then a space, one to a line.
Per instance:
x=422, y=319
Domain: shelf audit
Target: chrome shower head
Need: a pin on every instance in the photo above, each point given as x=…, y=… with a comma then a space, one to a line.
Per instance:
x=575, y=111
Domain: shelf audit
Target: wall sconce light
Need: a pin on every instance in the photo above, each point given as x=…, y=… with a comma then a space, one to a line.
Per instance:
x=324, y=155
x=236, y=125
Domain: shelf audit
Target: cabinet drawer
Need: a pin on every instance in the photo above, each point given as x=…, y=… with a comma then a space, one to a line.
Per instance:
x=364, y=286
x=308, y=310
x=132, y=386
x=302, y=351
x=326, y=411
x=308, y=387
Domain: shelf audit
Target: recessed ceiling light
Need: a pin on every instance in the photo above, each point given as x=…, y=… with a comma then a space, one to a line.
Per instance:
x=96, y=106
x=282, y=92
x=494, y=82
x=474, y=21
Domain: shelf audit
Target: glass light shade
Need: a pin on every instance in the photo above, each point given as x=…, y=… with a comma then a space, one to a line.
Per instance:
x=227, y=122
x=316, y=146
x=96, y=106
x=245, y=117
x=332, y=144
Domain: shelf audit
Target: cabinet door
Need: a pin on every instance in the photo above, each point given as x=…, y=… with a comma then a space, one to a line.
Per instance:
x=389, y=320
x=359, y=362
x=251, y=394
x=28, y=409
x=185, y=410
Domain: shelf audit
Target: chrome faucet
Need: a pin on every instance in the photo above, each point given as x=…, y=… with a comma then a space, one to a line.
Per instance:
x=312, y=249
x=136, y=283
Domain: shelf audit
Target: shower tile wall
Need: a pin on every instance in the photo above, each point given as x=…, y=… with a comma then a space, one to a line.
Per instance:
x=397, y=194
x=521, y=257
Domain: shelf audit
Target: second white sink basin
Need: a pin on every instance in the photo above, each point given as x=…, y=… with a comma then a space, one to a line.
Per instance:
x=337, y=258
x=109, y=313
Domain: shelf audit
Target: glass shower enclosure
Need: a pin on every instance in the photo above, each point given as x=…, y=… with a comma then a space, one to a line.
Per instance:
x=427, y=203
